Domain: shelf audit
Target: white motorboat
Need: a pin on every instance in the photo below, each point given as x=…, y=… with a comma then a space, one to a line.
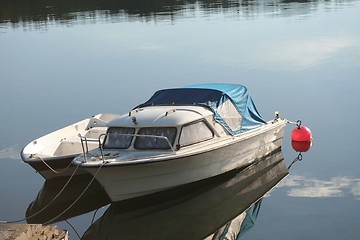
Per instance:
x=51, y=155
x=180, y=136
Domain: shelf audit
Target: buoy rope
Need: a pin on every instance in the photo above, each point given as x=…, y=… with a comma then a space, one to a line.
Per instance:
x=297, y=123
x=77, y=199
x=46, y=164
x=49, y=203
x=298, y=158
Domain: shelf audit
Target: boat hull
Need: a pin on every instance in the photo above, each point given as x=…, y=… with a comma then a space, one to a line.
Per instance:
x=50, y=168
x=193, y=211
x=124, y=181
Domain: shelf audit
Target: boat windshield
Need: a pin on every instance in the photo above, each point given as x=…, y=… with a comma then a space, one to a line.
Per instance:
x=154, y=141
x=119, y=137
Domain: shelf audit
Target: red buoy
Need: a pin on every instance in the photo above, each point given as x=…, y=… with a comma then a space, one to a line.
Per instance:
x=301, y=146
x=301, y=134
x=301, y=137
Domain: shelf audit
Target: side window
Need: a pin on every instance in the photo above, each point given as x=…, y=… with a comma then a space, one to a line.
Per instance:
x=153, y=141
x=194, y=133
x=119, y=137
x=231, y=116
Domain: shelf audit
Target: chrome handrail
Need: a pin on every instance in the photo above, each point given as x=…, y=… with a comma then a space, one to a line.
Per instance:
x=85, y=146
x=86, y=149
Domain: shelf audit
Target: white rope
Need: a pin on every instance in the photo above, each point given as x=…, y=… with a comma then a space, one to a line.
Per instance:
x=77, y=199
x=49, y=203
x=290, y=122
x=297, y=123
x=46, y=164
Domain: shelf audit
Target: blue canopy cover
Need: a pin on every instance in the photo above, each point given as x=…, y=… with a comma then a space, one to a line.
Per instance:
x=232, y=104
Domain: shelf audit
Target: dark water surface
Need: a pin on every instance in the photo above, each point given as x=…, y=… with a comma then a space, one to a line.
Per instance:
x=62, y=61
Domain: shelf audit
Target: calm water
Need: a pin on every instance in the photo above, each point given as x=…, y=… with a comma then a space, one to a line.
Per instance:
x=62, y=61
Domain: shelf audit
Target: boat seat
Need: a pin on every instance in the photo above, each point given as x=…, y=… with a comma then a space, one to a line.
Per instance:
x=72, y=148
x=68, y=148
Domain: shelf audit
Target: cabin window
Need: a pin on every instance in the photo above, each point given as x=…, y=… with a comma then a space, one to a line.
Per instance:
x=119, y=137
x=195, y=133
x=230, y=114
x=153, y=141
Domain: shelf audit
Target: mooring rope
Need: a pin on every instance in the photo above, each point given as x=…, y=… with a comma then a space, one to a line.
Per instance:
x=297, y=123
x=46, y=164
x=49, y=203
x=77, y=199
x=298, y=158
x=73, y=229
x=93, y=218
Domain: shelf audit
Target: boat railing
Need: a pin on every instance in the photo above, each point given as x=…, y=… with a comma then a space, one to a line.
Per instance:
x=85, y=148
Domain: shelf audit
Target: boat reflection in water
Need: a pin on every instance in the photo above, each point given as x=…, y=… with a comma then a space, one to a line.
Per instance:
x=50, y=206
x=224, y=205
x=201, y=210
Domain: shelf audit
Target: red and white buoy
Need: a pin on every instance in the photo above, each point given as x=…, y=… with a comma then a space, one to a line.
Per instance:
x=301, y=138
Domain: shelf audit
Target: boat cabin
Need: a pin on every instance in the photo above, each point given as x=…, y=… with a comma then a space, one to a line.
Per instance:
x=160, y=127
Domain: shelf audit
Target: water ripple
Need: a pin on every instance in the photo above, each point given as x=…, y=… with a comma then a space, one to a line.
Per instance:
x=10, y=152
